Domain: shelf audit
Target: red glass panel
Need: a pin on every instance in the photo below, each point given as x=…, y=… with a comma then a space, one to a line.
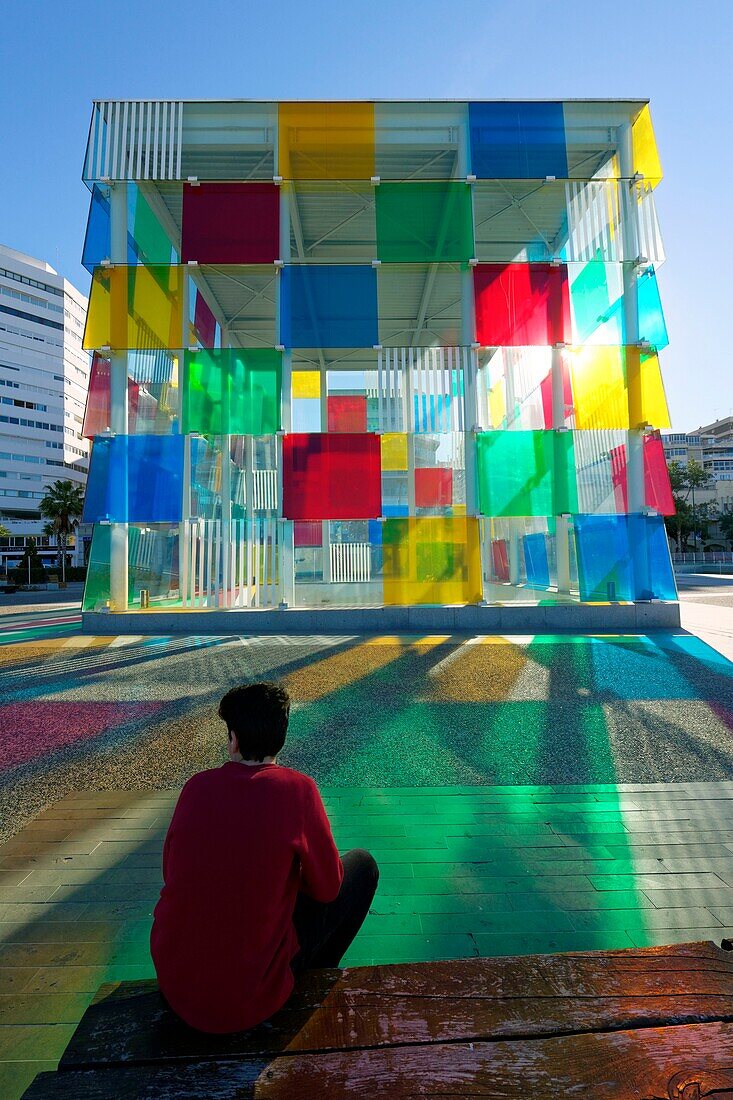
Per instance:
x=546, y=394
x=309, y=533
x=347, y=413
x=433, y=487
x=204, y=322
x=500, y=559
x=619, y=479
x=231, y=223
x=97, y=414
x=331, y=476
x=657, y=489
x=522, y=305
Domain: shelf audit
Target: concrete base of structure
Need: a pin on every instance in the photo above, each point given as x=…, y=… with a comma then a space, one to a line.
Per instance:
x=513, y=619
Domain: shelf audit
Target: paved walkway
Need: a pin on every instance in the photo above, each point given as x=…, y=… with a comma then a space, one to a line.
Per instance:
x=465, y=871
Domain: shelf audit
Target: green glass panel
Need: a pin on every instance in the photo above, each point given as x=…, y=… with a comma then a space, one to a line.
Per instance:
x=526, y=473
x=96, y=586
x=424, y=222
x=232, y=391
x=151, y=242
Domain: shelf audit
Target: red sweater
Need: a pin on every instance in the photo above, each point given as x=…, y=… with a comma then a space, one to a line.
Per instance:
x=243, y=841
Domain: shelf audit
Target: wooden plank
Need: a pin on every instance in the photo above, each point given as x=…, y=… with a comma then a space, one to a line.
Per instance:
x=129, y=1023
x=213, y=1080
x=694, y=1060
x=471, y=1000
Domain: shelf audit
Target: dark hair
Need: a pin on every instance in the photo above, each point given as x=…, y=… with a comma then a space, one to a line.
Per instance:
x=259, y=715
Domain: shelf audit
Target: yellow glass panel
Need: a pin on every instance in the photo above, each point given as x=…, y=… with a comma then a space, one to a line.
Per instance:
x=135, y=307
x=306, y=383
x=646, y=156
x=322, y=141
x=497, y=403
x=647, y=399
x=394, y=451
x=431, y=561
x=599, y=387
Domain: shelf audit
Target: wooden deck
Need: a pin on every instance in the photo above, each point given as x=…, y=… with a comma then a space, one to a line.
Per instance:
x=640, y=1024
x=466, y=872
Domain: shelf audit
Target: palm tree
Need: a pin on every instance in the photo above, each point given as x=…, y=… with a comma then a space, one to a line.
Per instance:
x=62, y=506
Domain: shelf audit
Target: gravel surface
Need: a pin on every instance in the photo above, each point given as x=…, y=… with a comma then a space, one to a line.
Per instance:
x=143, y=714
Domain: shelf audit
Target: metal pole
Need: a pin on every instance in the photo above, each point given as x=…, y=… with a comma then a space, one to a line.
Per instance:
x=562, y=524
x=119, y=533
x=287, y=550
x=635, y=461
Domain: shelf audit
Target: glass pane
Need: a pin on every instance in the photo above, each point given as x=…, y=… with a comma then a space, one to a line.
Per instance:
x=135, y=479
x=521, y=304
x=536, y=561
x=332, y=221
x=647, y=399
x=135, y=307
x=657, y=488
x=600, y=458
x=329, y=307
x=646, y=155
x=526, y=473
x=424, y=222
x=347, y=413
x=600, y=397
x=152, y=564
x=326, y=141
x=431, y=561
x=394, y=451
x=232, y=391
x=516, y=220
x=420, y=305
x=623, y=558
x=231, y=223
x=517, y=140
x=204, y=321
x=229, y=141
x=331, y=476
x=421, y=141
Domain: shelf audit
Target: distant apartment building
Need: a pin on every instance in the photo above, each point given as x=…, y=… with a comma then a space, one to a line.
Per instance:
x=712, y=446
x=44, y=378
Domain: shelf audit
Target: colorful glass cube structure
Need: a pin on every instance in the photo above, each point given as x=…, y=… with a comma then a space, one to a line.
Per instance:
x=355, y=354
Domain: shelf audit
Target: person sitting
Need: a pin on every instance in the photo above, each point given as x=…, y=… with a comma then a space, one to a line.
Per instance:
x=254, y=891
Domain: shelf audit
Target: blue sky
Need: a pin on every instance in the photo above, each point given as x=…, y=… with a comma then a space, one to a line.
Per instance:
x=56, y=57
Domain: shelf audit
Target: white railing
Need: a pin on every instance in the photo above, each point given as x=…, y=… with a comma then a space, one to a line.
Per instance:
x=350, y=562
x=238, y=568
x=423, y=389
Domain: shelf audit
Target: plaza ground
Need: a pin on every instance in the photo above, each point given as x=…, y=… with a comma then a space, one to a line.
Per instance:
x=520, y=794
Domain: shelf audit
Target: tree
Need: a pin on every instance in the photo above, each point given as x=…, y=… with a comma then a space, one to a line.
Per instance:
x=4, y=531
x=30, y=570
x=725, y=523
x=62, y=506
x=689, y=518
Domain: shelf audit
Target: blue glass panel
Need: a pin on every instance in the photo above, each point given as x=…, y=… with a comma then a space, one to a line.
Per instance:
x=536, y=562
x=375, y=532
x=395, y=510
x=651, y=318
x=135, y=479
x=97, y=242
x=517, y=140
x=623, y=558
x=328, y=306
x=431, y=411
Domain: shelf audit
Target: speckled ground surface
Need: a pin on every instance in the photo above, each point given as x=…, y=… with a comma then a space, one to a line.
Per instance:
x=520, y=795
x=92, y=713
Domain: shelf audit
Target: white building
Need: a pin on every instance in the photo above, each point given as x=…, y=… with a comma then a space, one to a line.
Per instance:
x=44, y=377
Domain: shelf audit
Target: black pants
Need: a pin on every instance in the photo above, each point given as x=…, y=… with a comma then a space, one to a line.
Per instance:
x=326, y=930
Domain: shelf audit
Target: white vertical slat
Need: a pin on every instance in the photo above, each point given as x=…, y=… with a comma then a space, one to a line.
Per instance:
x=179, y=141
x=115, y=136
x=124, y=143
x=256, y=566
x=156, y=139
x=100, y=126
x=148, y=132
x=141, y=147
x=216, y=579
x=380, y=396
x=173, y=129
